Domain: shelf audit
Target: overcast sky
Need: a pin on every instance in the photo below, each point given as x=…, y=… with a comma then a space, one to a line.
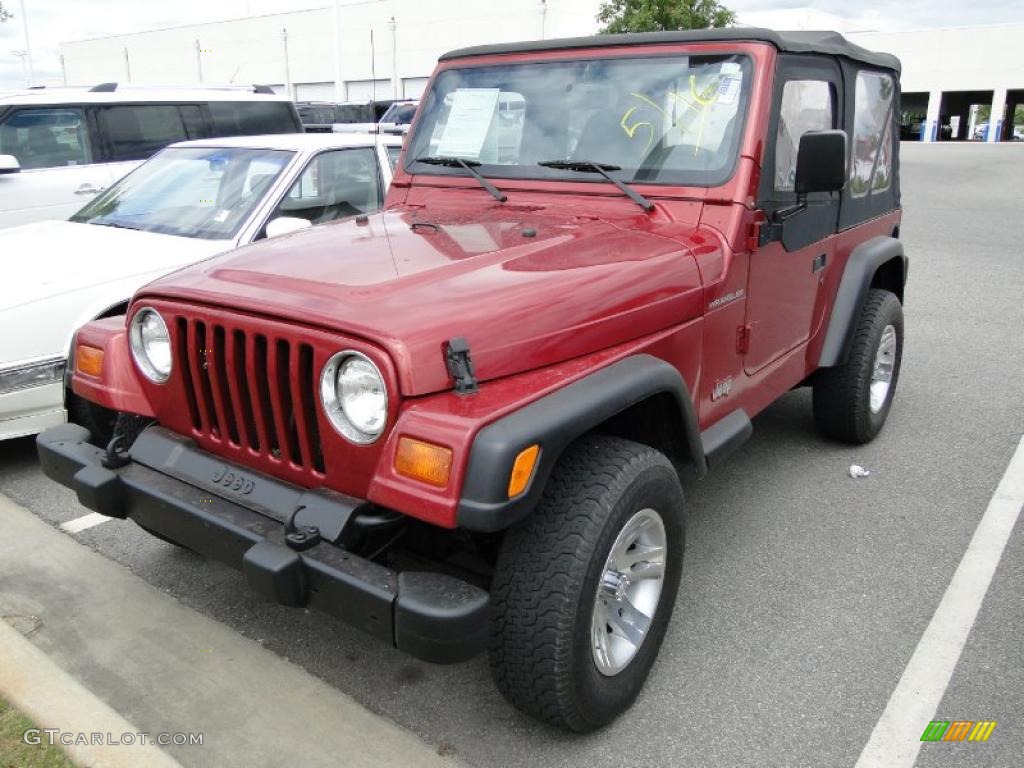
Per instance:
x=54, y=21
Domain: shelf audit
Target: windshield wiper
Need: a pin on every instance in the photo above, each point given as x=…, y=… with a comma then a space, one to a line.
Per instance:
x=99, y=223
x=469, y=165
x=586, y=166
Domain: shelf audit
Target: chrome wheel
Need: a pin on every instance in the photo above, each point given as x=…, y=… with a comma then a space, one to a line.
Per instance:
x=628, y=592
x=881, y=373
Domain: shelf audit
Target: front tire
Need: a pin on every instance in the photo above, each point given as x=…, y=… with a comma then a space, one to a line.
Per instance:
x=602, y=552
x=852, y=401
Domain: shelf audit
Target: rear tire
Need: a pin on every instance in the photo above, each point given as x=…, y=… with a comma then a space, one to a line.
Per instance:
x=562, y=576
x=845, y=406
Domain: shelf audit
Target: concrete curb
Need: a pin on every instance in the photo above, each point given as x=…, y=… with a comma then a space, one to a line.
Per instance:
x=51, y=698
x=169, y=668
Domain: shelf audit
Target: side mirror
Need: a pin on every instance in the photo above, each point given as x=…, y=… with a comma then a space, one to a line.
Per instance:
x=9, y=164
x=284, y=225
x=821, y=162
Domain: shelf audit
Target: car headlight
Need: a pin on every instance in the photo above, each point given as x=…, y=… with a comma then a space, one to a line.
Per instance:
x=354, y=397
x=151, y=345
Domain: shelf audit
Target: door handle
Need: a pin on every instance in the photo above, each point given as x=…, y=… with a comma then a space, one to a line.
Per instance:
x=819, y=263
x=88, y=189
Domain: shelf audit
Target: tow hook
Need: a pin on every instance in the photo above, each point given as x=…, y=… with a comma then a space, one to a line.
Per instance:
x=126, y=429
x=302, y=538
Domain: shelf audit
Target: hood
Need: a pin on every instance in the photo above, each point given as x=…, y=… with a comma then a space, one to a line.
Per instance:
x=58, y=275
x=525, y=287
x=50, y=258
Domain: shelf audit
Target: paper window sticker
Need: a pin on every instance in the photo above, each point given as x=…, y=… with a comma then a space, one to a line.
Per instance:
x=729, y=89
x=731, y=68
x=221, y=216
x=469, y=122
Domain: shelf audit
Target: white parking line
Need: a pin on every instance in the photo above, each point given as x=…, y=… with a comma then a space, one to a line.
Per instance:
x=896, y=739
x=84, y=522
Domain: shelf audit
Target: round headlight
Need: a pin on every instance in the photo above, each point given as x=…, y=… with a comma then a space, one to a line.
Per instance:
x=151, y=344
x=353, y=394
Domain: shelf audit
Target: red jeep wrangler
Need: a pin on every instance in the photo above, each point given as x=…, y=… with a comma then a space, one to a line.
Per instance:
x=460, y=424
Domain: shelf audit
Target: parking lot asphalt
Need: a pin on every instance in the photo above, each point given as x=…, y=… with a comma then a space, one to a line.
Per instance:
x=804, y=593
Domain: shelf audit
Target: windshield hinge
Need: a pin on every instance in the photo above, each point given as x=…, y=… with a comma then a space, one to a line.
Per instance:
x=460, y=366
x=768, y=232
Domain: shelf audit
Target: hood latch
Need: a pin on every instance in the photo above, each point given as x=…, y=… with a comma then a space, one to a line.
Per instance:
x=460, y=366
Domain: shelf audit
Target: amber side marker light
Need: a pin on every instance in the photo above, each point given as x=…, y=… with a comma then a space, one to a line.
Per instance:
x=522, y=470
x=423, y=461
x=88, y=360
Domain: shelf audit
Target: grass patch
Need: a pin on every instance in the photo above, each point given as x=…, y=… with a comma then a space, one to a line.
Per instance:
x=15, y=753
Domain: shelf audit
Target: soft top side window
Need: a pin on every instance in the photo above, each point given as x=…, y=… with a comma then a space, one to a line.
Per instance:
x=807, y=105
x=871, y=166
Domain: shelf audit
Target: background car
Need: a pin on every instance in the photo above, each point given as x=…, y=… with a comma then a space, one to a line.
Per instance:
x=59, y=147
x=346, y=117
x=355, y=117
x=190, y=201
x=316, y=116
x=398, y=118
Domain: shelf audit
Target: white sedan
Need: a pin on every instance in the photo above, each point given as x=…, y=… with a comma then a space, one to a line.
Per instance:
x=189, y=202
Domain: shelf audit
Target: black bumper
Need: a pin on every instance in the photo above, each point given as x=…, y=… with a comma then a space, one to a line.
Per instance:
x=168, y=488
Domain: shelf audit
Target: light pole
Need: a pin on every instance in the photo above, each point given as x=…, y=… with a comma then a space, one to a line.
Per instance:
x=287, y=65
x=395, y=81
x=338, y=83
x=24, y=66
x=28, y=46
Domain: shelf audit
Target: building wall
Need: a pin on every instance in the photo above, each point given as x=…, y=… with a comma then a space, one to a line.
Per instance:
x=955, y=58
x=253, y=50
x=295, y=51
x=937, y=61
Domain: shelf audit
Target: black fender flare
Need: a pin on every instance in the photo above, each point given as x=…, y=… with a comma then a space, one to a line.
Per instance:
x=553, y=422
x=853, y=289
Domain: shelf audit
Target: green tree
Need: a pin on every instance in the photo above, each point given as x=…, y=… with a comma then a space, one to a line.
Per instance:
x=657, y=15
x=4, y=13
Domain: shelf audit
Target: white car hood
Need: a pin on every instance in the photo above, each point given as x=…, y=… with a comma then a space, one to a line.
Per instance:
x=49, y=258
x=58, y=275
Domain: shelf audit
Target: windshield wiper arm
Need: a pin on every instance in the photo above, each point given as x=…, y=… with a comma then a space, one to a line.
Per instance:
x=469, y=165
x=114, y=224
x=586, y=166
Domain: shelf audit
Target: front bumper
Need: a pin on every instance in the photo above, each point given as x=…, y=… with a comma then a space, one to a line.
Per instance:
x=31, y=410
x=241, y=518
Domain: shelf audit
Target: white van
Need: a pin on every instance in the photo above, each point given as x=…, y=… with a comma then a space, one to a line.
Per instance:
x=61, y=146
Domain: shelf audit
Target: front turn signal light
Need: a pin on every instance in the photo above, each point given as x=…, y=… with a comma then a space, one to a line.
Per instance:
x=423, y=461
x=88, y=360
x=522, y=470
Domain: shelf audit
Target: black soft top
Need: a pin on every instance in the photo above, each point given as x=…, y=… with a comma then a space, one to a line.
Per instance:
x=831, y=43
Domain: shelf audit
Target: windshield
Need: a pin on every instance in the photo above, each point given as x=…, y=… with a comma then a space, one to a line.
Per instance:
x=667, y=119
x=200, y=192
x=399, y=114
